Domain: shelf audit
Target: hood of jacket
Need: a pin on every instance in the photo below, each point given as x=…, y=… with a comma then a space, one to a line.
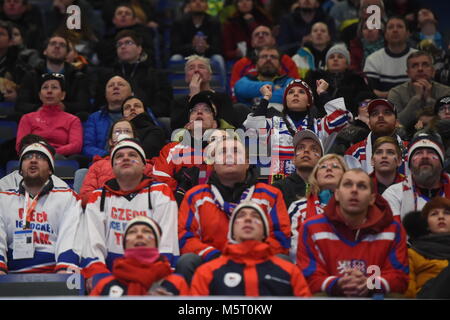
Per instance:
x=250, y=251
x=113, y=186
x=379, y=216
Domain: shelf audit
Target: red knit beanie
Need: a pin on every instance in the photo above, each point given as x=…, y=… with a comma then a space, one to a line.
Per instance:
x=304, y=85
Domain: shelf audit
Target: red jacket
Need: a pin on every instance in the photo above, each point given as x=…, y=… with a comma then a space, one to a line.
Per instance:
x=249, y=269
x=203, y=225
x=131, y=277
x=173, y=157
x=327, y=246
x=99, y=172
x=63, y=130
x=245, y=66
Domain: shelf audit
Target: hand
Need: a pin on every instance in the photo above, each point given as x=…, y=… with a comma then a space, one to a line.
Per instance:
x=160, y=292
x=89, y=284
x=355, y=284
x=195, y=84
x=2, y=273
x=418, y=125
x=418, y=88
x=266, y=91
x=248, y=16
x=322, y=86
x=152, y=24
x=426, y=88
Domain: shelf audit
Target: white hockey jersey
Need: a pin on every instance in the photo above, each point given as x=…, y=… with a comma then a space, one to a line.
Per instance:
x=107, y=213
x=54, y=221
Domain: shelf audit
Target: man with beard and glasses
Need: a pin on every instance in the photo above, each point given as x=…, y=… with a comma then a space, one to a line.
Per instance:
x=247, y=89
x=77, y=96
x=427, y=179
x=38, y=220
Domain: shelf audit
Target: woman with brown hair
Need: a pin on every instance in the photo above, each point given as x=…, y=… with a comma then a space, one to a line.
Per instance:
x=429, y=237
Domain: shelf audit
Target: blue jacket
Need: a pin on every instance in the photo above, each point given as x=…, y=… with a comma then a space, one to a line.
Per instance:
x=247, y=89
x=96, y=133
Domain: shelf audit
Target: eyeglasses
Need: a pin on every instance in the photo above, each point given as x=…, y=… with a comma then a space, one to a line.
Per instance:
x=444, y=109
x=37, y=155
x=126, y=43
x=116, y=132
x=53, y=74
x=324, y=166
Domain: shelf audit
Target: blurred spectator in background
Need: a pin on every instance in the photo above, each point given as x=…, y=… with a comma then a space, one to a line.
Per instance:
x=262, y=36
x=151, y=136
x=311, y=56
x=238, y=29
x=96, y=128
x=364, y=44
x=196, y=32
x=125, y=18
x=134, y=65
x=12, y=68
x=386, y=68
x=295, y=28
x=345, y=12
x=28, y=18
x=419, y=92
x=343, y=81
x=429, y=236
x=76, y=100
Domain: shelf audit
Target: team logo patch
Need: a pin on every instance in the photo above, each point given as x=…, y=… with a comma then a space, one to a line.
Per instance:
x=115, y=292
x=232, y=279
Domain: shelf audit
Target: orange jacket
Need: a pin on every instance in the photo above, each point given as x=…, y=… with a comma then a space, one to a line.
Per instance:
x=249, y=269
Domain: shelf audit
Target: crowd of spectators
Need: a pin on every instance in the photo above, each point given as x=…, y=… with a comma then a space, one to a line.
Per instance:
x=171, y=109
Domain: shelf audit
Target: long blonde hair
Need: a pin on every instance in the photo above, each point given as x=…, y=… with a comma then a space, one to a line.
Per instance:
x=313, y=184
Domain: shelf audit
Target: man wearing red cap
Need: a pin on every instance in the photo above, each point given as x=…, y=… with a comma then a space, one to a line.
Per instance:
x=382, y=121
x=427, y=179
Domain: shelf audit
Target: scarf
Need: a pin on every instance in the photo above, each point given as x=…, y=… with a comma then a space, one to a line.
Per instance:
x=433, y=246
x=139, y=276
x=143, y=254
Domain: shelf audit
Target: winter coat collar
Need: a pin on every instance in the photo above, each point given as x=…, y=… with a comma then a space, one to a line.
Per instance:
x=47, y=187
x=113, y=186
x=379, y=216
x=248, y=252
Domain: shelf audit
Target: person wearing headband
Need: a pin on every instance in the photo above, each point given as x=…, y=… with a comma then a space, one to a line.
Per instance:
x=38, y=221
x=121, y=199
x=248, y=250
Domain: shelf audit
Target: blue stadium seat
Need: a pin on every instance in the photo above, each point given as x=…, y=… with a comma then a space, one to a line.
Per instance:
x=6, y=109
x=8, y=130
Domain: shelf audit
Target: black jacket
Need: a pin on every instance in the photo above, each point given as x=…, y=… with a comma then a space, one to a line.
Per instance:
x=184, y=30
x=346, y=84
x=147, y=84
x=179, y=115
x=151, y=136
x=292, y=187
x=77, y=90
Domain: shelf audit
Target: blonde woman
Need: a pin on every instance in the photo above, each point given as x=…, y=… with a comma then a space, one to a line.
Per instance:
x=322, y=182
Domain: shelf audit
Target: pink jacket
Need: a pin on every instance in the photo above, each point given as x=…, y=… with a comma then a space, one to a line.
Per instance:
x=62, y=130
x=99, y=172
